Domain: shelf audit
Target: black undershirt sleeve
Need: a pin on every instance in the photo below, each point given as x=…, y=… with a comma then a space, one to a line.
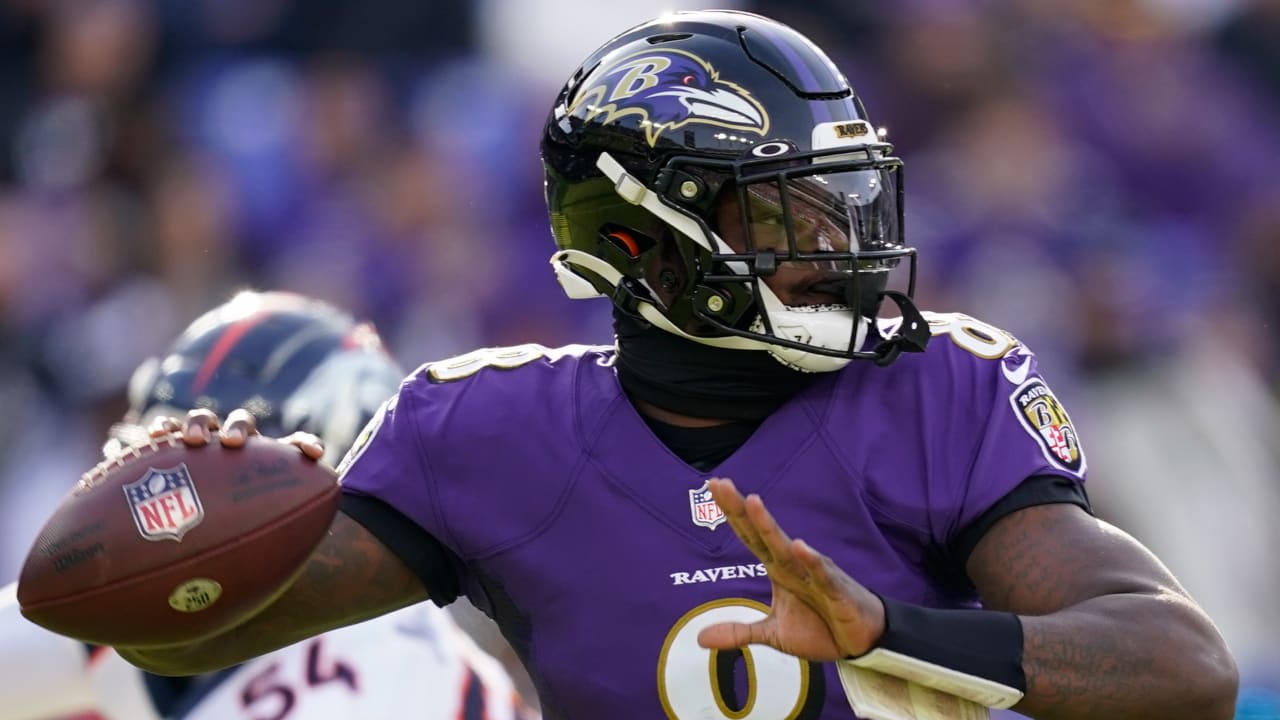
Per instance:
x=1035, y=490
x=435, y=565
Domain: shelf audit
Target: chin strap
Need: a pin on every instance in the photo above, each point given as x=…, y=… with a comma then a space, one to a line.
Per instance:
x=583, y=275
x=912, y=334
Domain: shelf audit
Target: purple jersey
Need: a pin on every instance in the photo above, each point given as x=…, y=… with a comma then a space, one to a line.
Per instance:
x=602, y=552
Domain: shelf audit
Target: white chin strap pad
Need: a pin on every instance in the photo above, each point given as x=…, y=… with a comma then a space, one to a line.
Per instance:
x=828, y=327
x=807, y=361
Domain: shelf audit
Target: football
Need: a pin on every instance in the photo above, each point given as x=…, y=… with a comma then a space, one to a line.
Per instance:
x=166, y=544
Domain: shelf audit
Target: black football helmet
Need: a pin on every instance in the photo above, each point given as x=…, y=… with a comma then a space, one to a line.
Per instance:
x=296, y=363
x=671, y=122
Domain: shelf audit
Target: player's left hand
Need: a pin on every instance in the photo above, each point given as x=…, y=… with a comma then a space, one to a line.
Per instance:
x=818, y=612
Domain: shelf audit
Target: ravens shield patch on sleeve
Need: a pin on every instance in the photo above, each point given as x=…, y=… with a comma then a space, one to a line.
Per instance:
x=1047, y=421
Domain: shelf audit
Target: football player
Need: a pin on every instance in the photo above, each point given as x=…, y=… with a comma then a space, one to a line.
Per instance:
x=621, y=510
x=299, y=365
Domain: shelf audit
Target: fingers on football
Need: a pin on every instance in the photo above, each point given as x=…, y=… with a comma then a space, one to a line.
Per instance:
x=240, y=425
x=198, y=427
x=164, y=425
x=309, y=444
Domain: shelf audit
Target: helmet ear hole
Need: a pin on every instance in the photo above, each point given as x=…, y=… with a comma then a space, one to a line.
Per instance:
x=623, y=246
x=627, y=242
x=631, y=243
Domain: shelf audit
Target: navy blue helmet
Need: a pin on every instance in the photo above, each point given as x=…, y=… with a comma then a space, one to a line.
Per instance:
x=296, y=363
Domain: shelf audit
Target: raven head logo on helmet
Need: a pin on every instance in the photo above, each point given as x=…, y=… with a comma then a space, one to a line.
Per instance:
x=713, y=174
x=668, y=90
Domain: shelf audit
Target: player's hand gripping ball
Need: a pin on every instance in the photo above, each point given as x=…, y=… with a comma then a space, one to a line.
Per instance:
x=166, y=543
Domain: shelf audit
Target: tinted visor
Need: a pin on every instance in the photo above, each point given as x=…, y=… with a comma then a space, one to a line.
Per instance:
x=833, y=214
x=820, y=229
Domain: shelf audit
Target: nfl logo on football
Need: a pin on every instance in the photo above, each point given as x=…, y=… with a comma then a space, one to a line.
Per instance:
x=704, y=509
x=164, y=503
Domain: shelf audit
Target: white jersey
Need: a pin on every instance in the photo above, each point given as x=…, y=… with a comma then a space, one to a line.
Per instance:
x=413, y=663
x=42, y=675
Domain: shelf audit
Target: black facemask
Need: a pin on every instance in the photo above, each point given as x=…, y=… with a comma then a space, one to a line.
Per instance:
x=690, y=378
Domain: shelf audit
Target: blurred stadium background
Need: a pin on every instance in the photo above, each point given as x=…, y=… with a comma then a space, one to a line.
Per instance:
x=1099, y=177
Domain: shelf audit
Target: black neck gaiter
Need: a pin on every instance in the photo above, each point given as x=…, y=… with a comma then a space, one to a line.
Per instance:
x=693, y=379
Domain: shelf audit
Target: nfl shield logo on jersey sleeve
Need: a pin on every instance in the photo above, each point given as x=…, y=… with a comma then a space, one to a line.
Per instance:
x=703, y=507
x=164, y=503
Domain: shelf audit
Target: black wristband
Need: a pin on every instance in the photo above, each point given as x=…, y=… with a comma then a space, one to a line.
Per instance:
x=982, y=643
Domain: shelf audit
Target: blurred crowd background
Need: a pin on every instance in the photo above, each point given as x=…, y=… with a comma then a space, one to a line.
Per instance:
x=1099, y=177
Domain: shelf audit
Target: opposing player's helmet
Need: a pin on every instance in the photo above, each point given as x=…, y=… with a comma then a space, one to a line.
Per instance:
x=670, y=122
x=296, y=363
